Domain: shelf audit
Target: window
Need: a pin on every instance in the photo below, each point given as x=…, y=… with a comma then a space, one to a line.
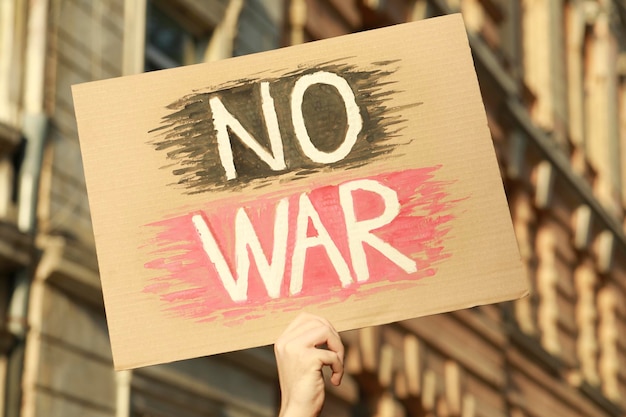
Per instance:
x=169, y=41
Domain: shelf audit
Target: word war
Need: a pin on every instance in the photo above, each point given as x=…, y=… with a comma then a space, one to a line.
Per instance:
x=357, y=232
x=329, y=242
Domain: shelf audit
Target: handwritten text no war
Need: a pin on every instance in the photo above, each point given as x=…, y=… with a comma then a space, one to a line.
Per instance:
x=317, y=243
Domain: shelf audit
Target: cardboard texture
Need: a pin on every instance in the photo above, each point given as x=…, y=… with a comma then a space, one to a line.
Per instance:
x=353, y=177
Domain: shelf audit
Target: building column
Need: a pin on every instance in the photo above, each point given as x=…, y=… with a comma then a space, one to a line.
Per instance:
x=600, y=109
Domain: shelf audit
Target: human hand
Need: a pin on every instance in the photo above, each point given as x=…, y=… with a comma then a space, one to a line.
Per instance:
x=307, y=345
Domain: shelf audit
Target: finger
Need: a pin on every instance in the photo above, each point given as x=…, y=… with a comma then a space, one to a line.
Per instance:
x=310, y=331
x=296, y=329
x=326, y=323
x=333, y=360
x=335, y=344
x=304, y=319
x=303, y=323
x=320, y=335
x=336, y=378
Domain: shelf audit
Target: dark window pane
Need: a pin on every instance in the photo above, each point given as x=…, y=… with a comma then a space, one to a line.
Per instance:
x=165, y=40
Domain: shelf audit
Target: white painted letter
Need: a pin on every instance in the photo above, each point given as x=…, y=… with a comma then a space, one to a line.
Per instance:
x=245, y=236
x=222, y=119
x=359, y=232
x=355, y=123
x=306, y=211
x=238, y=290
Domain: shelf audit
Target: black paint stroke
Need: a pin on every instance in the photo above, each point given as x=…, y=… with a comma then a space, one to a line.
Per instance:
x=188, y=136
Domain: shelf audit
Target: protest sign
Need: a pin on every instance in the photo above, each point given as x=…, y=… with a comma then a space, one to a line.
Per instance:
x=353, y=177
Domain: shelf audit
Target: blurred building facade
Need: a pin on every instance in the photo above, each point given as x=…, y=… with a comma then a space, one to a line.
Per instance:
x=553, y=79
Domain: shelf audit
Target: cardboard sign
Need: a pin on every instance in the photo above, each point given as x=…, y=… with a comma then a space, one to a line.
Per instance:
x=353, y=177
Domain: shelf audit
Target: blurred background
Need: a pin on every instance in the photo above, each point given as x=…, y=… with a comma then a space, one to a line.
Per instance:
x=553, y=79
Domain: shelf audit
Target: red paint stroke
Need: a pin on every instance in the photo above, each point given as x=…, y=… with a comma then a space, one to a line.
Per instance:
x=189, y=284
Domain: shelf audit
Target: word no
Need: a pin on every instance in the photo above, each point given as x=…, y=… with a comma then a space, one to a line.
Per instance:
x=226, y=123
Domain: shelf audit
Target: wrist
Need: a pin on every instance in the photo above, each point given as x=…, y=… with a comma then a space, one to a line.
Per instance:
x=295, y=409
